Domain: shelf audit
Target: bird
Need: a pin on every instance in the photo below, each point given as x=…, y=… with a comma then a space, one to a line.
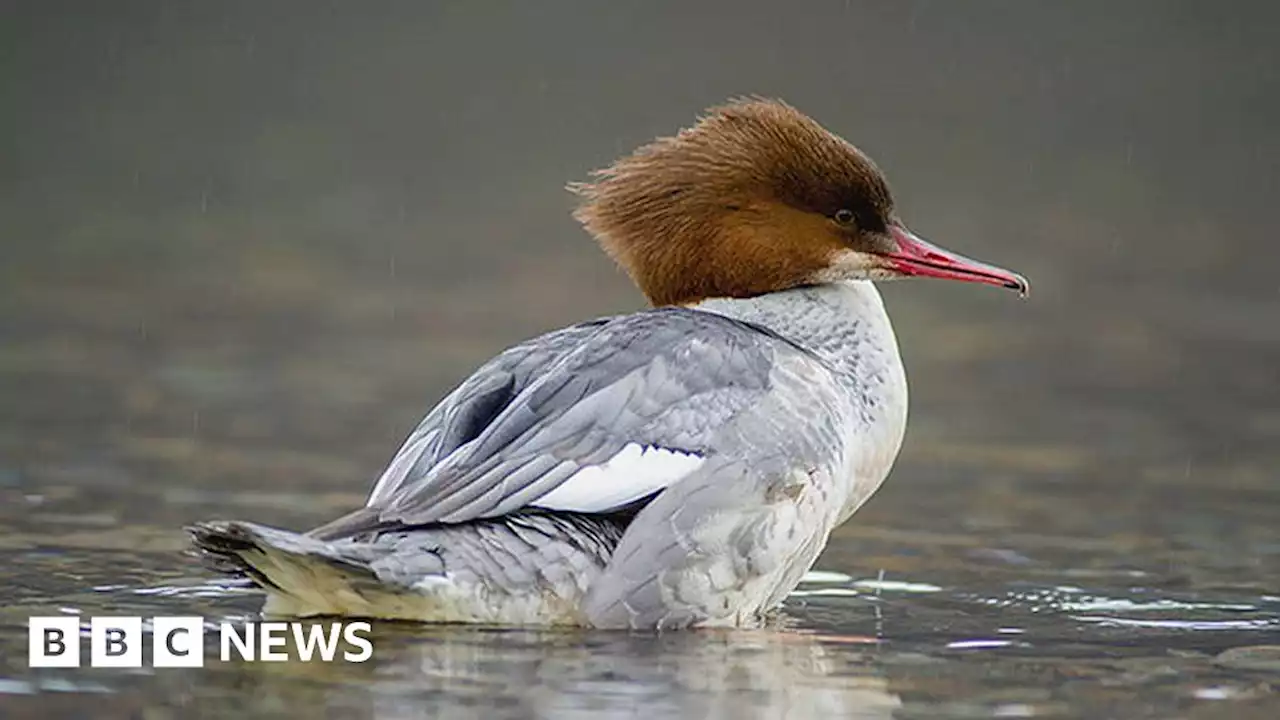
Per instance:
x=676, y=467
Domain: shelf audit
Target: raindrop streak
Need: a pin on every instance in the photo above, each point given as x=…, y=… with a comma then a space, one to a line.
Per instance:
x=915, y=15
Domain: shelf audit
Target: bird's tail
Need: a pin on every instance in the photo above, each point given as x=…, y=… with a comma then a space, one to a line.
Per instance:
x=522, y=569
x=303, y=576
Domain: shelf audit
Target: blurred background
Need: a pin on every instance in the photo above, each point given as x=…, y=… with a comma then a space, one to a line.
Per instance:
x=244, y=246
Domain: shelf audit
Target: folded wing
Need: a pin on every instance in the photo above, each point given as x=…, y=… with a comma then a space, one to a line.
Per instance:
x=589, y=419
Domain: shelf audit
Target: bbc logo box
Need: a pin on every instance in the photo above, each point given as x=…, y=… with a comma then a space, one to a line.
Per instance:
x=180, y=641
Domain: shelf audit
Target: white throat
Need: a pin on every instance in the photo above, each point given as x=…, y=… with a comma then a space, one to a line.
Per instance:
x=845, y=323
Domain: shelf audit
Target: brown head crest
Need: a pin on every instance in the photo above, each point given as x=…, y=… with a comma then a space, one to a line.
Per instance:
x=755, y=197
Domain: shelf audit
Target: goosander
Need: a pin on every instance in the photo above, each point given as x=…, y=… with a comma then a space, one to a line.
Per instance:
x=679, y=466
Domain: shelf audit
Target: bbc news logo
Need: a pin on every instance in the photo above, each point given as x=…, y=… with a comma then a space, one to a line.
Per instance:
x=180, y=641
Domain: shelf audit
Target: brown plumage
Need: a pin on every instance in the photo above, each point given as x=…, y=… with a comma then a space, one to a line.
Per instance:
x=754, y=198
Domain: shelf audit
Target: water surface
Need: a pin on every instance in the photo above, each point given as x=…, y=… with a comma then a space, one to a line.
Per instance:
x=1038, y=567
x=244, y=249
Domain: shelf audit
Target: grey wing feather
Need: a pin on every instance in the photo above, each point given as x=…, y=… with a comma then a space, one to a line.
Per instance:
x=466, y=411
x=664, y=378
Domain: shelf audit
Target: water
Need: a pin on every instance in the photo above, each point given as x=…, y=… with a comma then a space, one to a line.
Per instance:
x=244, y=250
x=1020, y=563
x=989, y=641
x=1064, y=535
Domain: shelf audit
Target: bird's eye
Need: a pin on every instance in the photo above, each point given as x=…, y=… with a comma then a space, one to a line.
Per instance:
x=844, y=216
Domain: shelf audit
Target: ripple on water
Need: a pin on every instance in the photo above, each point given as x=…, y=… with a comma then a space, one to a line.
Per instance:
x=836, y=584
x=1055, y=608
x=1141, y=610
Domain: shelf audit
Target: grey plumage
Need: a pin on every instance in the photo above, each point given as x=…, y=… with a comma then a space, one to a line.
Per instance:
x=667, y=378
x=470, y=522
x=533, y=566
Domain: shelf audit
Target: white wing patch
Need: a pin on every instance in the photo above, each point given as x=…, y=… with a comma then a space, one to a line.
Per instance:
x=636, y=471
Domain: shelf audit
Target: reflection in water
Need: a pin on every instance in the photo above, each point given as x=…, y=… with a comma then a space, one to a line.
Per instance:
x=763, y=674
x=940, y=652
x=467, y=673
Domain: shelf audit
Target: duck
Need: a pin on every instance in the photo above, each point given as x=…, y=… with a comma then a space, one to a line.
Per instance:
x=676, y=467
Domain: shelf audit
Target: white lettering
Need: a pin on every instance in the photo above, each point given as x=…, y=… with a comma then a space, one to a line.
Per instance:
x=273, y=635
x=243, y=644
x=315, y=637
x=352, y=635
